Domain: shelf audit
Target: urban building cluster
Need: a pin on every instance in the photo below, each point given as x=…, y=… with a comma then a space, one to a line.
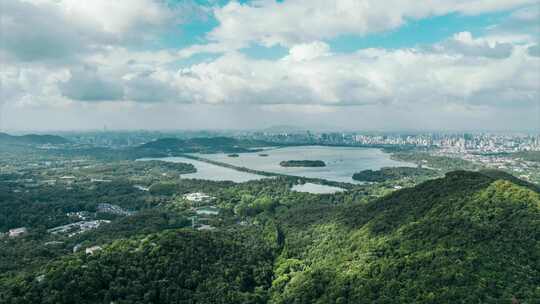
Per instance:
x=457, y=142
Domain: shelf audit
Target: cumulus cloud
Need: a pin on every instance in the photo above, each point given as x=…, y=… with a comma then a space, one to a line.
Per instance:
x=534, y=50
x=88, y=84
x=56, y=53
x=372, y=76
x=32, y=85
x=459, y=73
x=464, y=44
x=34, y=30
x=309, y=51
x=149, y=86
x=522, y=25
x=269, y=22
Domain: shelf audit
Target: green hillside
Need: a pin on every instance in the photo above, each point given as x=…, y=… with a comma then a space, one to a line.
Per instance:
x=470, y=237
x=201, y=145
x=466, y=238
x=393, y=173
x=172, y=267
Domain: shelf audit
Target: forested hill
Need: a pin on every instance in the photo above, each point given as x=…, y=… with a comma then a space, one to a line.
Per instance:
x=201, y=145
x=470, y=237
x=179, y=266
x=465, y=238
x=31, y=139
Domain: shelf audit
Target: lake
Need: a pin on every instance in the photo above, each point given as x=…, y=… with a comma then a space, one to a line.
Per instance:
x=316, y=188
x=341, y=162
x=210, y=172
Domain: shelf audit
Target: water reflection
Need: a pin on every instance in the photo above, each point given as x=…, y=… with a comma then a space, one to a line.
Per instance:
x=211, y=172
x=341, y=162
x=316, y=188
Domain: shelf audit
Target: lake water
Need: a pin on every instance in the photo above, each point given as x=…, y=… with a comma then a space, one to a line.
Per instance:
x=341, y=162
x=211, y=172
x=316, y=188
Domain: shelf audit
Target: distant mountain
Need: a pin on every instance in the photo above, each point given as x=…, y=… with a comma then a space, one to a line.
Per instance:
x=284, y=129
x=202, y=145
x=301, y=129
x=32, y=139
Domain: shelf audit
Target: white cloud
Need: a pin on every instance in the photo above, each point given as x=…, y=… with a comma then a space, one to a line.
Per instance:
x=111, y=16
x=117, y=16
x=32, y=86
x=72, y=51
x=150, y=86
x=372, y=76
x=310, y=75
x=522, y=26
x=88, y=84
x=482, y=6
x=66, y=30
x=268, y=22
x=464, y=43
x=308, y=51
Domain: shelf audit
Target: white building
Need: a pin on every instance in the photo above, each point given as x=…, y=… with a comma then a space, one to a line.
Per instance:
x=139, y=187
x=205, y=227
x=198, y=197
x=207, y=211
x=99, y=180
x=17, y=232
x=92, y=250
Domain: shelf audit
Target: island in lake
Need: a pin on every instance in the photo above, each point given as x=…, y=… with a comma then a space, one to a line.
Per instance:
x=385, y=174
x=302, y=163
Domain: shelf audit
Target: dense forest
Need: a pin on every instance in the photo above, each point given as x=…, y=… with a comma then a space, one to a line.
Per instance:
x=444, y=163
x=466, y=238
x=302, y=163
x=162, y=147
x=470, y=237
x=392, y=173
x=179, y=266
x=202, y=145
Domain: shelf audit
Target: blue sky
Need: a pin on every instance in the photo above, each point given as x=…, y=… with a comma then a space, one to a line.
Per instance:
x=413, y=33
x=350, y=64
x=418, y=32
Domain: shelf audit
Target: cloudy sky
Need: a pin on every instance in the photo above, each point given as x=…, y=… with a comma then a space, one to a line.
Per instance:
x=351, y=64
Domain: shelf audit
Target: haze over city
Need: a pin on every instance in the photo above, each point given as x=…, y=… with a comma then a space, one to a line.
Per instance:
x=203, y=64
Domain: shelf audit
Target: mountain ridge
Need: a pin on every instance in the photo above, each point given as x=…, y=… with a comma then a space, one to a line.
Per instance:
x=454, y=239
x=202, y=145
x=32, y=139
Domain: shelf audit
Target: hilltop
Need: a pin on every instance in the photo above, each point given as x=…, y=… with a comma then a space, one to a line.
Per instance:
x=465, y=238
x=202, y=145
x=32, y=139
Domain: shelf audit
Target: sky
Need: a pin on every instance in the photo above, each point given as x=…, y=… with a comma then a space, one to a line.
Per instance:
x=447, y=65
